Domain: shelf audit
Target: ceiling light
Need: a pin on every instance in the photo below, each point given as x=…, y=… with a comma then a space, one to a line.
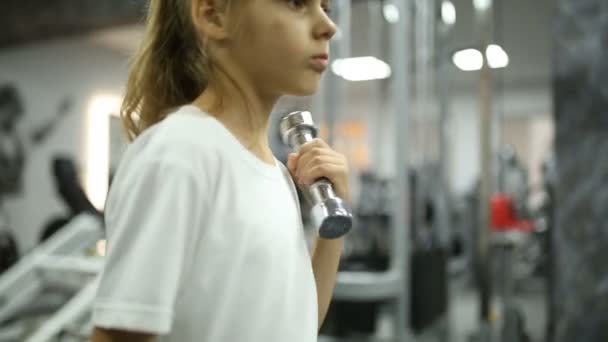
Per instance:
x=448, y=13
x=468, y=59
x=497, y=57
x=482, y=5
x=361, y=68
x=391, y=12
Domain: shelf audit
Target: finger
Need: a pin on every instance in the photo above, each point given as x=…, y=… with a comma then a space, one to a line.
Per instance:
x=318, y=151
x=292, y=162
x=329, y=171
x=310, y=161
x=305, y=157
x=317, y=142
x=306, y=174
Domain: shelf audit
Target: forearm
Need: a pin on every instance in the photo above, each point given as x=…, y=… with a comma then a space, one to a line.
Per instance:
x=325, y=260
x=316, y=160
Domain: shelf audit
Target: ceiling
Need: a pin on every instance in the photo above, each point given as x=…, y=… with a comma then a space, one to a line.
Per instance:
x=32, y=20
x=522, y=27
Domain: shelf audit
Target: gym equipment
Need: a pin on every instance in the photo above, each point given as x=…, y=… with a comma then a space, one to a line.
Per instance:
x=69, y=188
x=330, y=214
x=429, y=288
x=9, y=250
x=509, y=234
x=53, y=226
x=64, y=262
x=505, y=242
x=365, y=250
x=9, y=253
x=71, y=192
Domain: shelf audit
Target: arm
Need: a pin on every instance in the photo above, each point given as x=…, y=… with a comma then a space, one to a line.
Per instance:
x=325, y=261
x=105, y=335
x=150, y=213
x=317, y=160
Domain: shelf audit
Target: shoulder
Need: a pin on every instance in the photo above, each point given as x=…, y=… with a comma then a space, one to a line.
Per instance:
x=184, y=139
x=183, y=135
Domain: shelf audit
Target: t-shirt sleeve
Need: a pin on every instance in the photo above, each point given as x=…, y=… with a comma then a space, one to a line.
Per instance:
x=153, y=216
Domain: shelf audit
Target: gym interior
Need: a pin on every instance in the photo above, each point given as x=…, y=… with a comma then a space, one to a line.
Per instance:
x=476, y=132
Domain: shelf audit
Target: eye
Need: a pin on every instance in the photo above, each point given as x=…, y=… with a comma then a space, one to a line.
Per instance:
x=297, y=4
x=326, y=7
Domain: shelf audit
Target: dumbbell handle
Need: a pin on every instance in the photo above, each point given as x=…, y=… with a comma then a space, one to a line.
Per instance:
x=330, y=214
x=298, y=139
x=321, y=188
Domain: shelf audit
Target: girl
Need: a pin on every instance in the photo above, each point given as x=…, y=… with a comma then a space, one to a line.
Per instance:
x=205, y=241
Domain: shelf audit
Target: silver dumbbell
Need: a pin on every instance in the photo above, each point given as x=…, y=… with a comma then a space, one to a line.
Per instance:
x=330, y=214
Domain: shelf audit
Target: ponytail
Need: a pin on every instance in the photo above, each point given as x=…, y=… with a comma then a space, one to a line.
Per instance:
x=169, y=70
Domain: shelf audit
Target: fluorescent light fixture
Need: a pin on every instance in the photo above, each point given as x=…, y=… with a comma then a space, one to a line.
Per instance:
x=472, y=59
x=482, y=5
x=497, y=57
x=361, y=68
x=391, y=12
x=468, y=59
x=448, y=13
x=98, y=147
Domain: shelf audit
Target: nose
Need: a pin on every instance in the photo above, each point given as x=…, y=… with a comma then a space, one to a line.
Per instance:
x=325, y=28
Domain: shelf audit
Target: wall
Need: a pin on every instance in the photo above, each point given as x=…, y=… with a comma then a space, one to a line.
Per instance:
x=45, y=73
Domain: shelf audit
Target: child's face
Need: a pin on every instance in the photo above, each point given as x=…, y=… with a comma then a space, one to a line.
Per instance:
x=278, y=41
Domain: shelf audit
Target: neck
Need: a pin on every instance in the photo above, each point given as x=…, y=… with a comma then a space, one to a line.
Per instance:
x=244, y=112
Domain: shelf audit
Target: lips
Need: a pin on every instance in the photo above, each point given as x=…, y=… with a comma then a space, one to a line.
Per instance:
x=320, y=62
x=321, y=56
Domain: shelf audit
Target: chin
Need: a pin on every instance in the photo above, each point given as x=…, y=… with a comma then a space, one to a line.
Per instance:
x=305, y=88
x=305, y=92
x=302, y=84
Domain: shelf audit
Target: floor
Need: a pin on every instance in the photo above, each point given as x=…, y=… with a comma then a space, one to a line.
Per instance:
x=462, y=321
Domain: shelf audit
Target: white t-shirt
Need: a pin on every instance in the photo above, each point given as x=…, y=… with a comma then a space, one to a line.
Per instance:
x=205, y=241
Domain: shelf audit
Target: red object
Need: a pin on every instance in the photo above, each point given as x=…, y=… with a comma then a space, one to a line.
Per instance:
x=504, y=217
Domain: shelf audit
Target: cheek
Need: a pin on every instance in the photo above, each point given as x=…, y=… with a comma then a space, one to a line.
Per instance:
x=278, y=34
x=272, y=50
x=281, y=39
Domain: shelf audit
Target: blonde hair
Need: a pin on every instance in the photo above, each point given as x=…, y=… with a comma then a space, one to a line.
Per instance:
x=170, y=69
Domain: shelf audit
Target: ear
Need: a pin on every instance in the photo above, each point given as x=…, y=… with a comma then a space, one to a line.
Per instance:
x=209, y=19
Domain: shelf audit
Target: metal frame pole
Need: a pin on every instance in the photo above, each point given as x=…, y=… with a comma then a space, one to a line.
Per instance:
x=336, y=87
x=399, y=34
x=484, y=19
x=374, y=10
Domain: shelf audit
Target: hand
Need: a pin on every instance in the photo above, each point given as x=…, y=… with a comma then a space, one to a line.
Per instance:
x=317, y=160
